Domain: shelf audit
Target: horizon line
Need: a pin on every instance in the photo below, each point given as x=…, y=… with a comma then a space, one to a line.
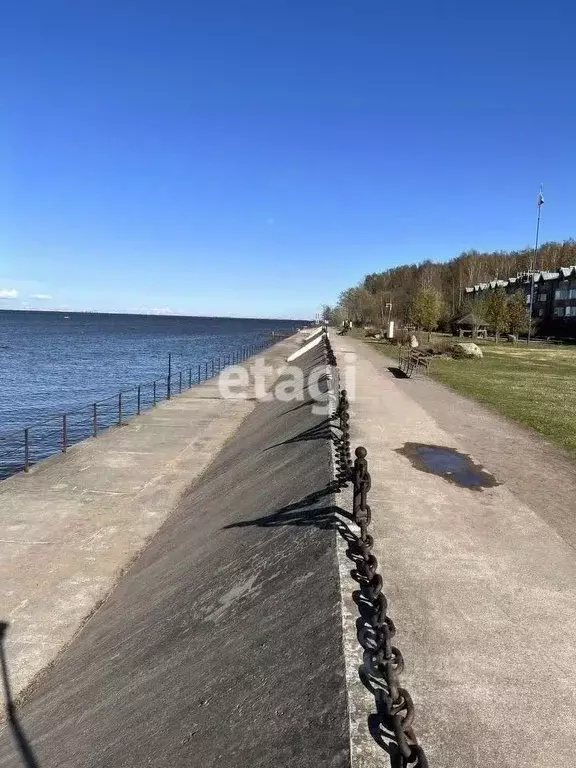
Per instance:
x=146, y=314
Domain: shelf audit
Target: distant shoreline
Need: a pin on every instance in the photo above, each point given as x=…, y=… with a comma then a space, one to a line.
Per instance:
x=152, y=314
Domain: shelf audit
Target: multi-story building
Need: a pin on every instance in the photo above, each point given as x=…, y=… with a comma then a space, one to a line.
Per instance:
x=553, y=299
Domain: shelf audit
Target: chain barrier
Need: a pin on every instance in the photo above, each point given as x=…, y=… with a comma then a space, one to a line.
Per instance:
x=383, y=662
x=344, y=466
x=329, y=352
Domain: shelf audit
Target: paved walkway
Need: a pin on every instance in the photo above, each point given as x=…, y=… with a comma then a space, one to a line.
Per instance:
x=481, y=583
x=71, y=526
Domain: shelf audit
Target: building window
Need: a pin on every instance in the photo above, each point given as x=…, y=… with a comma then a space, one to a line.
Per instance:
x=572, y=293
x=570, y=311
x=541, y=312
x=543, y=296
x=560, y=294
x=558, y=311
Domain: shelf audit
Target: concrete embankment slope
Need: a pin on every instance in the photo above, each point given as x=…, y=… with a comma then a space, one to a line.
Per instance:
x=71, y=525
x=221, y=645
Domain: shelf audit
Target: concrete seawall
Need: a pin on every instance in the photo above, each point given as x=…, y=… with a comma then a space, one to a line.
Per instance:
x=221, y=645
x=72, y=525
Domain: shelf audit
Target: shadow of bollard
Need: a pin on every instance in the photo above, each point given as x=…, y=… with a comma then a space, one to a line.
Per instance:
x=26, y=753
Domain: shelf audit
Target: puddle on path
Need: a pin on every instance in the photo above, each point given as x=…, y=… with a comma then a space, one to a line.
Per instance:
x=457, y=468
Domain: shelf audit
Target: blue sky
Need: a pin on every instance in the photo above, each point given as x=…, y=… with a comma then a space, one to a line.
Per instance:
x=251, y=158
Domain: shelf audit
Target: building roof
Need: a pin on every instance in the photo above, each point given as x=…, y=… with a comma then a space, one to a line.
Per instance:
x=563, y=273
x=472, y=320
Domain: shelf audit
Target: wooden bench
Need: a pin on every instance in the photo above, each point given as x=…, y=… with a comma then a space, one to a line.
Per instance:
x=409, y=360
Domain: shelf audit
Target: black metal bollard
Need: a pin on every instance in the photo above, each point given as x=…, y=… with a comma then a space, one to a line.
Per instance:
x=362, y=482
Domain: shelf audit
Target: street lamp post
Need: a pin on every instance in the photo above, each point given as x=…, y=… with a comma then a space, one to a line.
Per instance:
x=533, y=265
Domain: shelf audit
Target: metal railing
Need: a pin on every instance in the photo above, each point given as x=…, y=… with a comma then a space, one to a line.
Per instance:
x=22, y=448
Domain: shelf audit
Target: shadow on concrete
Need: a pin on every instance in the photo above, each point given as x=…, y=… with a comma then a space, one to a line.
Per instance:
x=396, y=372
x=379, y=723
x=300, y=513
x=305, y=403
x=26, y=753
x=320, y=431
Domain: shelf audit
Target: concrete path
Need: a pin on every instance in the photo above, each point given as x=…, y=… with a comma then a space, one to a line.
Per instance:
x=70, y=527
x=481, y=583
x=221, y=645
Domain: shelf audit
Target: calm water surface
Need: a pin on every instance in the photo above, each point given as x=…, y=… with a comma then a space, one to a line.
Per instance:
x=51, y=362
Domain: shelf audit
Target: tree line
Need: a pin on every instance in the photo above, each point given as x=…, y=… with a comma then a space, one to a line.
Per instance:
x=432, y=293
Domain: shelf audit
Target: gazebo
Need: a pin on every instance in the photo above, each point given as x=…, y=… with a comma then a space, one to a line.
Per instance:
x=472, y=325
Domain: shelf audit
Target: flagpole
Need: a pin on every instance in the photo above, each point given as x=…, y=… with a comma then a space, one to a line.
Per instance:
x=533, y=266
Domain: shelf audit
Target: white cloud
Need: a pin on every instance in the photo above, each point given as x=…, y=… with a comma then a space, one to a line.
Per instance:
x=161, y=311
x=40, y=296
x=8, y=293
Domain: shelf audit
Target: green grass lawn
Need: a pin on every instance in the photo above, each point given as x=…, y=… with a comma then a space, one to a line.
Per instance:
x=533, y=385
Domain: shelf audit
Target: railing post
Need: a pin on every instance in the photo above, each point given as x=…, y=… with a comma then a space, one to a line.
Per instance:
x=64, y=433
x=26, y=451
x=154, y=395
x=206, y=370
x=199, y=373
x=139, y=399
x=119, y=409
x=94, y=420
x=212, y=366
x=180, y=381
x=169, y=382
x=189, y=378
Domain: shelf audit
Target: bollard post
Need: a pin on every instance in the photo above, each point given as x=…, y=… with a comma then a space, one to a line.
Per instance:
x=94, y=421
x=189, y=378
x=212, y=366
x=206, y=370
x=180, y=381
x=64, y=433
x=199, y=373
x=119, y=409
x=361, y=481
x=139, y=400
x=154, y=396
x=26, y=451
